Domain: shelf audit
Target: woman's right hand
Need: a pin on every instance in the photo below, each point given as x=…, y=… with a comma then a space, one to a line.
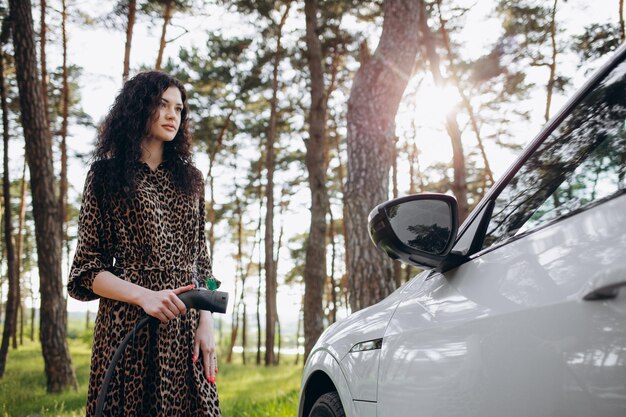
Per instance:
x=165, y=304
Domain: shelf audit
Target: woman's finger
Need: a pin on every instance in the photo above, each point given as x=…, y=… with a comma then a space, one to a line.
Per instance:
x=207, y=366
x=162, y=318
x=180, y=306
x=171, y=306
x=211, y=355
x=196, y=350
x=214, y=365
x=168, y=313
x=183, y=289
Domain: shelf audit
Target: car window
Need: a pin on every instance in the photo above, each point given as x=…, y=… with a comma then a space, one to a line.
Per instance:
x=581, y=162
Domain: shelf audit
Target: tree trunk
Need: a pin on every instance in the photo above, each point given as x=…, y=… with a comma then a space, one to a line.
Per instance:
x=244, y=275
x=43, y=64
x=244, y=323
x=552, y=65
x=278, y=342
x=270, y=267
x=22, y=320
x=32, y=322
x=258, y=318
x=397, y=266
x=316, y=163
x=20, y=231
x=167, y=16
x=58, y=364
x=13, y=294
x=459, y=183
x=622, y=32
x=344, y=208
x=234, y=330
x=132, y=8
x=332, y=311
x=19, y=246
x=298, y=330
x=376, y=93
x=214, y=147
x=64, y=114
x=239, y=275
x=283, y=206
x=464, y=99
x=259, y=272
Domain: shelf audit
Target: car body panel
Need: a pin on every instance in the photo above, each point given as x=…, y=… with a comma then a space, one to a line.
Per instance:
x=364, y=409
x=335, y=343
x=508, y=333
x=367, y=324
x=363, y=370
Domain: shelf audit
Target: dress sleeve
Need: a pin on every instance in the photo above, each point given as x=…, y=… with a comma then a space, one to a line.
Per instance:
x=204, y=266
x=92, y=255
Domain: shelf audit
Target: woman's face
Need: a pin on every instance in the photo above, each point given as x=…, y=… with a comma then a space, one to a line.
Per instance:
x=166, y=120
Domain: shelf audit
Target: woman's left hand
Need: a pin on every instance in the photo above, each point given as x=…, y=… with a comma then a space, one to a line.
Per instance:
x=205, y=343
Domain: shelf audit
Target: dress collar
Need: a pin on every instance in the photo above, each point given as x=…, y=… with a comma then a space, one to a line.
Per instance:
x=146, y=168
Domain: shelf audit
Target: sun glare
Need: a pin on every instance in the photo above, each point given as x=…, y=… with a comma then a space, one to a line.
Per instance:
x=426, y=107
x=434, y=103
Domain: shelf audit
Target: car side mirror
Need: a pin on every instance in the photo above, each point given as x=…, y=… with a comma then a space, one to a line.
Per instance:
x=418, y=229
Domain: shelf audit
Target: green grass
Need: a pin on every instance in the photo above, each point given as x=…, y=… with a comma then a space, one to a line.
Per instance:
x=245, y=391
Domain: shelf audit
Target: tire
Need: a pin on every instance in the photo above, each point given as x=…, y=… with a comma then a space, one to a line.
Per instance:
x=328, y=405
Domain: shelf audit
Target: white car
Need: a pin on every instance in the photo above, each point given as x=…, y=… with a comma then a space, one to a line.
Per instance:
x=521, y=311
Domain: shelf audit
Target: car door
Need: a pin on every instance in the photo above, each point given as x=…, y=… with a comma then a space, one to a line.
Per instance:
x=533, y=322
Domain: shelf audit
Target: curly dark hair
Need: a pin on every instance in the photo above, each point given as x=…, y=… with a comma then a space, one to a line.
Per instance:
x=118, y=148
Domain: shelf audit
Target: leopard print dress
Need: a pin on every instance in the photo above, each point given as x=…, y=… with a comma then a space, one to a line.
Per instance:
x=155, y=240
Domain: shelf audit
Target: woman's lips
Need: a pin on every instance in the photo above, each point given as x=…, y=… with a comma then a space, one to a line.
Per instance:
x=169, y=127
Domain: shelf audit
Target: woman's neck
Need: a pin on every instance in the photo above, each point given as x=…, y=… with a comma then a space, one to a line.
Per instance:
x=152, y=152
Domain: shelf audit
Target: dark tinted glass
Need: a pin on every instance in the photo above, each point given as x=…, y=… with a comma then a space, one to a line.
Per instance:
x=422, y=224
x=582, y=161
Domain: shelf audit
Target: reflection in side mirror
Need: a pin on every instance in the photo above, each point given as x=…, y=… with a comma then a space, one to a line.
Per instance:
x=424, y=225
x=418, y=229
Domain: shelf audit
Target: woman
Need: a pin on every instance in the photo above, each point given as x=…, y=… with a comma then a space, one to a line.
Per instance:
x=140, y=243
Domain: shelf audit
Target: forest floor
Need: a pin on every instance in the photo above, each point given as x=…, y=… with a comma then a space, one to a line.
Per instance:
x=245, y=390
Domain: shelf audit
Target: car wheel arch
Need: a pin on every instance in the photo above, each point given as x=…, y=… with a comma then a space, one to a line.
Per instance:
x=318, y=384
x=323, y=373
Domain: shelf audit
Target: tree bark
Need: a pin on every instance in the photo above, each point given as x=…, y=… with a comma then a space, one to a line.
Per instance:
x=13, y=294
x=132, y=8
x=270, y=267
x=316, y=163
x=58, y=364
x=43, y=64
x=376, y=93
x=167, y=16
